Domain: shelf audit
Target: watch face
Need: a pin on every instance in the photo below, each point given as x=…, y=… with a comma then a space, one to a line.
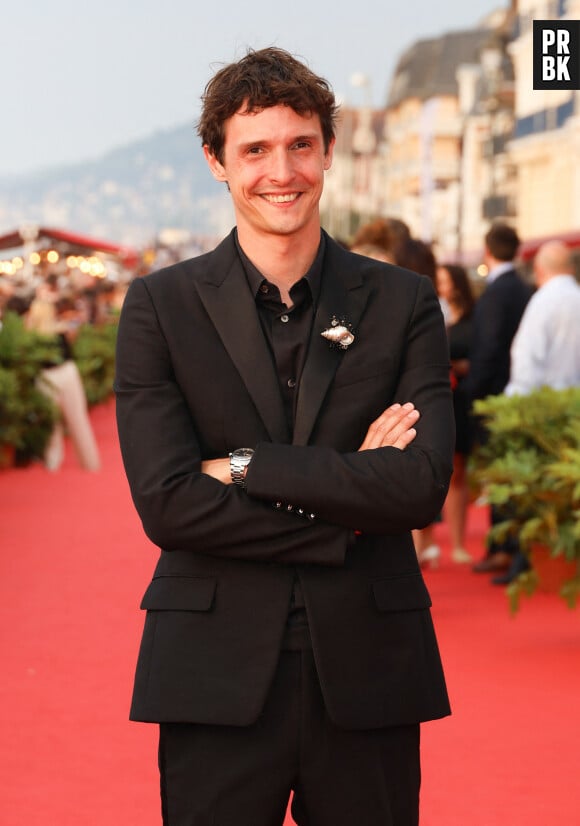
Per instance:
x=243, y=453
x=239, y=461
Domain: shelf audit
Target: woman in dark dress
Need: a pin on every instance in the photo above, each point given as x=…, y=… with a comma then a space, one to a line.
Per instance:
x=455, y=290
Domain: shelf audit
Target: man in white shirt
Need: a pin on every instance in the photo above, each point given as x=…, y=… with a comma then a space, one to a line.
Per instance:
x=546, y=347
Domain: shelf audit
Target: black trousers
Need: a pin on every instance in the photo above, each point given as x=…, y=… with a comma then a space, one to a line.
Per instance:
x=244, y=776
x=510, y=544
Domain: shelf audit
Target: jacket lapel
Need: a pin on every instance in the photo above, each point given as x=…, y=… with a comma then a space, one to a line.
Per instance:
x=229, y=303
x=342, y=295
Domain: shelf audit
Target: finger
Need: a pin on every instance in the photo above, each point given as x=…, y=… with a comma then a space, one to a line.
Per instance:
x=376, y=429
x=391, y=437
x=380, y=429
x=405, y=439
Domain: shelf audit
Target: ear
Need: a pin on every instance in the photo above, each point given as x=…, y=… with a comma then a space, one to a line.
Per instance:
x=329, y=155
x=216, y=168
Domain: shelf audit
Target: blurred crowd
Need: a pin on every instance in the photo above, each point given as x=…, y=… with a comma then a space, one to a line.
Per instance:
x=512, y=337
x=507, y=334
x=59, y=300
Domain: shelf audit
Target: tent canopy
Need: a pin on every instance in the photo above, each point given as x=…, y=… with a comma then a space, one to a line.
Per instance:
x=128, y=256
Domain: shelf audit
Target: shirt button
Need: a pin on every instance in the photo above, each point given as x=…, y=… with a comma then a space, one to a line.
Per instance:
x=264, y=288
x=291, y=383
x=284, y=318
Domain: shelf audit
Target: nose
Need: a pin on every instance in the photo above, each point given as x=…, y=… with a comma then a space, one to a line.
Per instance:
x=281, y=170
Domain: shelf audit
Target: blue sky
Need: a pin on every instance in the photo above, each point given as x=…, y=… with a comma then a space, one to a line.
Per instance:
x=79, y=79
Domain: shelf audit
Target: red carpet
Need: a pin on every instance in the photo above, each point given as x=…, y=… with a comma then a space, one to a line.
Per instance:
x=74, y=565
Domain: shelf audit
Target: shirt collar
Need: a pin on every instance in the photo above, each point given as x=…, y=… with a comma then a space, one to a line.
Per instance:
x=499, y=270
x=313, y=277
x=558, y=280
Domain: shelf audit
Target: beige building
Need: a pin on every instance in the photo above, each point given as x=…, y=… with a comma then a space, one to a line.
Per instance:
x=449, y=114
x=424, y=129
x=488, y=176
x=432, y=157
x=354, y=189
x=546, y=142
x=464, y=139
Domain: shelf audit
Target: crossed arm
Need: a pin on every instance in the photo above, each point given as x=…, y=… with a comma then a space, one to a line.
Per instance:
x=393, y=428
x=379, y=488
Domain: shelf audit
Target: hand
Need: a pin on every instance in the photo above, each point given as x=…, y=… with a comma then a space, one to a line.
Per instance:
x=393, y=428
x=219, y=469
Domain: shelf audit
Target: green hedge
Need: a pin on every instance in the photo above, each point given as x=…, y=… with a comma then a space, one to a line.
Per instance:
x=27, y=416
x=94, y=353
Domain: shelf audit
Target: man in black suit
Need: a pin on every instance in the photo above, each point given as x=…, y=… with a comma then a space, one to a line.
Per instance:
x=496, y=319
x=268, y=401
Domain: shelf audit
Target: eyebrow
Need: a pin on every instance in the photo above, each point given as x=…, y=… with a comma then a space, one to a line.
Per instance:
x=308, y=136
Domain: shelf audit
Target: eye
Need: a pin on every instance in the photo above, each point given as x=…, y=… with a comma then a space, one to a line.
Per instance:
x=255, y=150
x=302, y=145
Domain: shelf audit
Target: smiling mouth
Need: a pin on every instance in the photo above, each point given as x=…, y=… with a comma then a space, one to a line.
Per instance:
x=281, y=199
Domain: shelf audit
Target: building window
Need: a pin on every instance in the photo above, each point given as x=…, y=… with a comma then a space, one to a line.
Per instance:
x=545, y=120
x=565, y=111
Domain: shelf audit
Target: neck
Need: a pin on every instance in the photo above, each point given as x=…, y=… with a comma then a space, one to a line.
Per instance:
x=494, y=263
x=454, y=313
x=282, y=259
x=543, y=279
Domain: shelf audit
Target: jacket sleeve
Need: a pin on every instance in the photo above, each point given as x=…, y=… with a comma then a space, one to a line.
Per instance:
x=385, y=490
x=180, y=507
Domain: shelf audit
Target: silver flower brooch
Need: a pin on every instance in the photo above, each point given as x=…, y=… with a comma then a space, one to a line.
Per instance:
x=339, y=334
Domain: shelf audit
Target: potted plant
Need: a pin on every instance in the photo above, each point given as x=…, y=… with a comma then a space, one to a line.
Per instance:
x=530, y=465
x=94, y=354
x=27, y=416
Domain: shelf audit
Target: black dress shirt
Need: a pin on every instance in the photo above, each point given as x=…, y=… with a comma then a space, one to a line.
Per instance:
x=287, y=331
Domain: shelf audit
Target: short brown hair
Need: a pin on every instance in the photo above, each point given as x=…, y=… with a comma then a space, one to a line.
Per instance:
x=264, y=78
x=502, y=241
x=385, y=232
x=376, y=232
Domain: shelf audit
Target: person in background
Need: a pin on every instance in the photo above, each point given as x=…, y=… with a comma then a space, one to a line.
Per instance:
x=386, y=234
x=418, y=256
x=546, y=348
x=496, y=318
x=374, y=233
x=373, y=251
x=53, y=315
x=453, y=287
x=400, y=232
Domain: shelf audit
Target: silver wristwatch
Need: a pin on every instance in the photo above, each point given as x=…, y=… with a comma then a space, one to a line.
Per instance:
x=239, y=461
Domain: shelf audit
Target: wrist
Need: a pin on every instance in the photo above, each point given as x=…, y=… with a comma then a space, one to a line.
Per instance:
x=239, y=461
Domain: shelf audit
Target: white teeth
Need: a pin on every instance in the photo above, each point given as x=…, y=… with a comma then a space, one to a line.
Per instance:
x=281, y=199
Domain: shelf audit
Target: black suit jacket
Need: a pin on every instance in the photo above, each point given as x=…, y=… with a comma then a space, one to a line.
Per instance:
x=496, y=319
x=194, y=381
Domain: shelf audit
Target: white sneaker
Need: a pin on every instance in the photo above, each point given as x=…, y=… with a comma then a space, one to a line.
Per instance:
x=461, y=556
x=429, y=557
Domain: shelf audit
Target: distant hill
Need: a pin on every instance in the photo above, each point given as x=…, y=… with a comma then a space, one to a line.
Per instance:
x=128, y=195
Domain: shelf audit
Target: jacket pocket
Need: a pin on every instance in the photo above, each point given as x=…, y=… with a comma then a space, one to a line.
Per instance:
x=401, y=593
x=179, y=593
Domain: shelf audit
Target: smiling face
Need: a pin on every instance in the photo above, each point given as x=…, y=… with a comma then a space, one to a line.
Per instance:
x=274, y=163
